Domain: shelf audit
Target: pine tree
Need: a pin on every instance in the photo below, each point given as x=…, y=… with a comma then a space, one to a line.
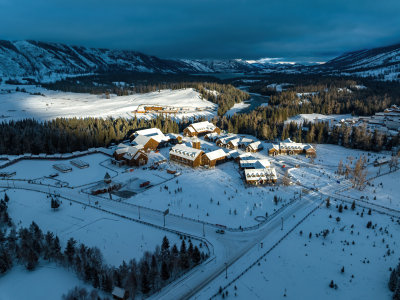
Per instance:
x=196, y=257
x=165, y=247
x=70, y=250
x=394, y=279
x=353, y=205
x=164, y=271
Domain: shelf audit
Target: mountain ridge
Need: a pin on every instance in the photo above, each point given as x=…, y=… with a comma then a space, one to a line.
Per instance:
x=46, y=61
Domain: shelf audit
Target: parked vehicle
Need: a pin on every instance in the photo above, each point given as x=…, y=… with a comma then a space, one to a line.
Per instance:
x=144, y=184
x=220, y=231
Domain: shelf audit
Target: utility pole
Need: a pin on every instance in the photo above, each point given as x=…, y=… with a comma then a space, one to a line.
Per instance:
x=282, y=223
x=139, y=212
x=204, y=233
x=226, y=271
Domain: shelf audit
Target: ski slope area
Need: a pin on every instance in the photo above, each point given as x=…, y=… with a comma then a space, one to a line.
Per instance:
x=308, y=270
x=55, y=104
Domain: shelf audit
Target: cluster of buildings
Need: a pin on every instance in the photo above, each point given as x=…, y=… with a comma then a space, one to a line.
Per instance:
x=386, y=122
x=146, y=143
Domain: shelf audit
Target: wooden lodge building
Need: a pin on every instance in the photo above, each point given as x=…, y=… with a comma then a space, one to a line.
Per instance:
x=288, y=147
x=136, y=157
x=130, y=155
x=254, y=147
x=186, y=155
x=150, y=139
x=147, y=143
x=214, y=158
x=260, y=176
x=201, y=128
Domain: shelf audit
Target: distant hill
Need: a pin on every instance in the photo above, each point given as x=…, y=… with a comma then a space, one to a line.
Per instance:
x=44, y=61
x=382, y=63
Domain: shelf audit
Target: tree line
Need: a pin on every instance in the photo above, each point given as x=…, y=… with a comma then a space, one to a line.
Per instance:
x=29, y=246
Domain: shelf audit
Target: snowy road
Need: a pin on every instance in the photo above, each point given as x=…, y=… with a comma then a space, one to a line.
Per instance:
x=225, y=249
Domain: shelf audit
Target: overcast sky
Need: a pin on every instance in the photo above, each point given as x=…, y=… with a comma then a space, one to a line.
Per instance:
x=294, y=30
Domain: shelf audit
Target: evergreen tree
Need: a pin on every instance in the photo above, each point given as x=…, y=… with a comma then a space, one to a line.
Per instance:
x=164, y=271
x=393, y=281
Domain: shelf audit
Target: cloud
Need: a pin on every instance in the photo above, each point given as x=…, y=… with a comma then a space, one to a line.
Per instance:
x=294, y=30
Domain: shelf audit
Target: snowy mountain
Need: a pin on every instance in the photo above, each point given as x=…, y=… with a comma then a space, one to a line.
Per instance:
x=44, y=61
x=52, y=60
x=49, y=61
x=382, y=63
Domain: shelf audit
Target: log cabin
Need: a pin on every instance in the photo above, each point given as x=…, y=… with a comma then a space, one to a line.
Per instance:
x=186, y=155
x=254, y=147
x=233, y=144
x=155, y=134
x=260, y=176
x=213, y=158
x=288, y=147
x=135, y=157
x=147, y=143
x=201, y=128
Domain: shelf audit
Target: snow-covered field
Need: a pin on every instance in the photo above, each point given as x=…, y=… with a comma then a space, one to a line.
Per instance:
x=302, y=267
x=216, y=195
x=237, y=108
x=21, y=105
x=39, y=169
x=118, y=239
x=48, y=281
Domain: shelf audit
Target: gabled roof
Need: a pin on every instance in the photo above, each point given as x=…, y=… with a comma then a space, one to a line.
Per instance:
x=132, y=152
x=255, y=145
x=185, y=152
x=154, y=133
x=234, y=142
x=202, y=126
x=149, y=132
x=217, y=154
x=142, y=140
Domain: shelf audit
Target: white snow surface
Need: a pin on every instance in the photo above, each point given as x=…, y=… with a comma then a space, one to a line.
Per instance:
x=237, y=107
x=54, y=104
x=315, y=118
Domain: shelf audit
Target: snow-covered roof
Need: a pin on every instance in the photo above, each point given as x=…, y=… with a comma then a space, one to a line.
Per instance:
x=246, y=141
x=142, y=140
x=255, y=145
x=234, y=142
x=260, y=174
x=185, y=152
x=202, y=126
x=154, y=133
x=217, y=154
x=255, y=163
x=132, y=152
x=233, y=154
x=212, y=136
x=288, y=144
x=149, y=132
x=118, y=292
x=156, y=158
